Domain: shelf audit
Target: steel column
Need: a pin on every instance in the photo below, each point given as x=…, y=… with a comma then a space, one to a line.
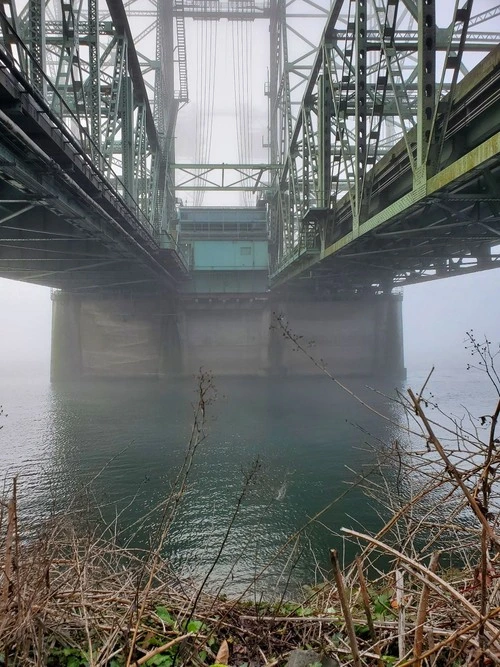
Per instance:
x=94, y=80
x=359, y=110
x=426, y=84
x=36, y=27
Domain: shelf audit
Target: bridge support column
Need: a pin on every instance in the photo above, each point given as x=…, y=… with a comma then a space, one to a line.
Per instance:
x=352, y=337
x=66, y=354
x=113, y=337
x=225, y=336
x=149, y=337
x=349, y=337
x=389, y=347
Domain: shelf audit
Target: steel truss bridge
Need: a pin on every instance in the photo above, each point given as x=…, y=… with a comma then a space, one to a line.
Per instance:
x=383, y=138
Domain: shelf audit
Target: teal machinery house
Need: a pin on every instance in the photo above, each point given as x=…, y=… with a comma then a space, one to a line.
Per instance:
x=226, y=249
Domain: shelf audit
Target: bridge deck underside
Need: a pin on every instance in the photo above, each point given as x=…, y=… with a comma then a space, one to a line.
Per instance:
x=446, y=225
x=452, y=231
x=61, y=224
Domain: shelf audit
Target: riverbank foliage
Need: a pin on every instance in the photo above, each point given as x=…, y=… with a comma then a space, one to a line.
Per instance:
x=424, y=590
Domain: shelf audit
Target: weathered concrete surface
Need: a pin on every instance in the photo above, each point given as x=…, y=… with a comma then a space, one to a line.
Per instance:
x=354, y=337
x=229, y=338
x=113, y=337
x=66, y=357
x=152, y=337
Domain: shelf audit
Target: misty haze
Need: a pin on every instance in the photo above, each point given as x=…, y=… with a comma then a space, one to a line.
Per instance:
x=233, y=234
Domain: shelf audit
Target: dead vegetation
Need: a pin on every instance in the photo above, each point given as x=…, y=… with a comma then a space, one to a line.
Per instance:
x=424, y=590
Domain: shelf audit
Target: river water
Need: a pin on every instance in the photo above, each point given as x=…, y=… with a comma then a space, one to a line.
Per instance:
x=118, y=446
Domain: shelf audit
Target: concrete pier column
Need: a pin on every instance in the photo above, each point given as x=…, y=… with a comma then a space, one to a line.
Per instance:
x=225, y=336
x=66, y=352
x=139, y=336
x=351, y=337
x=388, y=342
x=114, y=336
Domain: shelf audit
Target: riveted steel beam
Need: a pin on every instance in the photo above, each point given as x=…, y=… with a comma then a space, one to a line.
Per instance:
x=77, y=68
x=396, y=110
x=426, y=84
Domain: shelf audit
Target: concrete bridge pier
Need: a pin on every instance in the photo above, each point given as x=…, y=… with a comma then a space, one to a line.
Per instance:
x=350, y=337
x=113, y=337
x=226, y=336
x=150, y=337
x=66, y=353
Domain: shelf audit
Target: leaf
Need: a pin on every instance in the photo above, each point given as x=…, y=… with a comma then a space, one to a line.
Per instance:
x=164, y=614
x=381, y=605
x=362, y=631
x=305, y=611
x=152, y=640
x=74, y=661
x=194, y=626
x=161, y=660
x=222, y=657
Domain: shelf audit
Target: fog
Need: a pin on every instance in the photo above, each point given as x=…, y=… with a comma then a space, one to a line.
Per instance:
x=436, y=316
x=25, y=328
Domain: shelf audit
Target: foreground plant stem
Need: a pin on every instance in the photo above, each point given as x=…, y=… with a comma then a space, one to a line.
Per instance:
x=452, y=470
x=346, y=610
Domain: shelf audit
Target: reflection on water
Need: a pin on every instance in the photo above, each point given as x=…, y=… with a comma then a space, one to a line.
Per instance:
x=123, y=442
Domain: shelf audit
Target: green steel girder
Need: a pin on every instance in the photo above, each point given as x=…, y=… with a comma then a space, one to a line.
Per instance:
x=225, y=176
x=407, y=40
x=214, y=11
x=37, y=44
x=94, y=78
x=395, y=119
x=82, y=60
x=58, y=230
x=448, y=227
x=426, y=85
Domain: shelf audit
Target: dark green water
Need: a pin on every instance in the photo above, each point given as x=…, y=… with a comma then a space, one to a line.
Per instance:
x=130, y=438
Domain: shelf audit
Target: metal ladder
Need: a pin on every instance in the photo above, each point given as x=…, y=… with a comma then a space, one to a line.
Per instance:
x=182, y=94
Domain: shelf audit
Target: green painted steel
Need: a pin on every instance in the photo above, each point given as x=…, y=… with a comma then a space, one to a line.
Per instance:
x=385, y=113
x=383, y=162
x=226, y=249
x=229, y=255
x=87, y=68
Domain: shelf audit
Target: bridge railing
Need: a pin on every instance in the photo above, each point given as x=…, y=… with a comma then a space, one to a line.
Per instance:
x=120, y=148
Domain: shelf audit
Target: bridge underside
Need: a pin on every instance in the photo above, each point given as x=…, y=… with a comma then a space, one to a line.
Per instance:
x=58, y=225
x=416, y=225
x=63, y=223
x=63, y=242
x=451, y=231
